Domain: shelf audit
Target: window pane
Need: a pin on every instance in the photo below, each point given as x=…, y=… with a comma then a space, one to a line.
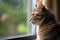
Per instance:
x=13, y=17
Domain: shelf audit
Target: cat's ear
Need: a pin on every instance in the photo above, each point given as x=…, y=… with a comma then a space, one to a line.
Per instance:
x=39, y=4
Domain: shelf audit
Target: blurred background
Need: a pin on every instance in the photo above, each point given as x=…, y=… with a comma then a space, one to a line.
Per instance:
x=13, y=17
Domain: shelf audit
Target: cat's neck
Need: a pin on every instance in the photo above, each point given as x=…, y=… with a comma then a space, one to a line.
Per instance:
x=47, y=21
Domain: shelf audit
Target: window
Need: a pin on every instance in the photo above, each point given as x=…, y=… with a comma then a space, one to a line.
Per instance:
x=14, y=16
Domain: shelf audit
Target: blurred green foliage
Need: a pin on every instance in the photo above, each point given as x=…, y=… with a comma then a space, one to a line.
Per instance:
x=22, y=28
x=16, y=10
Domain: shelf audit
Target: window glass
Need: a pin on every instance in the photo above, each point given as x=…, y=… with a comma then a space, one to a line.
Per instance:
x=13, y=17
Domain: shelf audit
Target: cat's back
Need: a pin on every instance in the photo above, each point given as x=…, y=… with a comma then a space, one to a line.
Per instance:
x=54, y=34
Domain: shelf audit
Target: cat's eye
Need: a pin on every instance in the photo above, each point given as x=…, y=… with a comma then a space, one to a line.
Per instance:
x=36, y=5
x=33, y=14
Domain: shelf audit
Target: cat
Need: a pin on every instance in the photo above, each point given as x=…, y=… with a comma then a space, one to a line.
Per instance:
x=48, y=28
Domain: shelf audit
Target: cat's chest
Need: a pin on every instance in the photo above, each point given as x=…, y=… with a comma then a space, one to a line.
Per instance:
x=46, y=32
x=41, y=31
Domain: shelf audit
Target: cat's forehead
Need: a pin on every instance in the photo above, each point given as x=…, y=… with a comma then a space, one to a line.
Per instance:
x=36, y=11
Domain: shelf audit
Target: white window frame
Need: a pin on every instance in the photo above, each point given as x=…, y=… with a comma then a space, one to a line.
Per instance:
x=31, y=6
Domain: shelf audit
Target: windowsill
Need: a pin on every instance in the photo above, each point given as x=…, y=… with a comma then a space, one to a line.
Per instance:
x=22, y=37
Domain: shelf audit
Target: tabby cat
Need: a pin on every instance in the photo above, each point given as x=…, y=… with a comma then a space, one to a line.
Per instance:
x=48, y=28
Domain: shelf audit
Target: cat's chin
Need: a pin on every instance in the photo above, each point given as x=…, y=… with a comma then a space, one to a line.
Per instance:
x=35, y=23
